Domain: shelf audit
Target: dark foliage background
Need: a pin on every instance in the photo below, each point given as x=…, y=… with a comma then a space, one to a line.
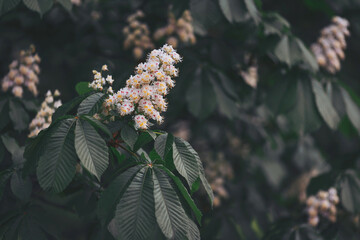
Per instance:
x=273, y=147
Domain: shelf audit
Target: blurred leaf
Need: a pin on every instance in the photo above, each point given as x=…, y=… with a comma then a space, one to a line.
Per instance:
x=40, y=6
x=274, y=24
x=254, y=13
x=304, y=116
x=57, y=164
x=307, y=56
x=169, y=213
x=91, y=148
x=282, y=50
x=282, y=96
x=129, y=135
x=18, y=115
x=303, y=232
x=352, y=109
x=205, y=13
x=200, y=96
x=234, y=10
x=324, y=105
x=350, y=191
x=21, y=188
x=4, y=177
x=68, y=6
x=135, y=213
x=7, y=5
x=10, y=144
x=4, y=113
x=81, y=87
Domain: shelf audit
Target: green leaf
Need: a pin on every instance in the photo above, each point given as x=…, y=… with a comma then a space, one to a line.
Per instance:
x=57, y=164
x=21, y=187
x=163, y=144
x=205, y=13
x=129, y=135
x=352, y=109
x=254, y=13
x=201, y=96
x=304, y=116
x=203, y=179
x=4, y=177
x=68, y=6
x=350, y=191
x=67, y=107
x=143, y=139
x=112, y=194
x=234, y=10
x=185, y=161
x=227, y=106
x=91, y=104
x=97, y=124
x=7, y=5
x=91, y=148
x=282, y=50
x=185, y=194
x=169, y=213
x=18, y=115
x=303, y=232
x=274, y=24
x=307, y=56
x=10, y=144
x=81, y=87
x=324, y=105
x=4, y=113
x=134, y=217
x=193, y=231
x=40, y=6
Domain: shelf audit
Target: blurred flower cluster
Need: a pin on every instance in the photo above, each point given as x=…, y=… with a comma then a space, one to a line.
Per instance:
x=329, y=49
x=144, y=93
x=43, y=118
x=324, y=203
x=23, y=72
x=177, y=29
x=218, y=172
x=137, y=35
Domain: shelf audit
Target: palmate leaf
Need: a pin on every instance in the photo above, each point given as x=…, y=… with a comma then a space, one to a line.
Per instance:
x=4, y=113
x=169, y=213
x=185, y=161
x=21, y=187
x=110, y=197
x=67, y=107
x=91, y=148
x=234, y=10
x=57, y=163
x=91, y=104
x=135, y=215
x=352, y=109
x=185, y=194
x=97, y=124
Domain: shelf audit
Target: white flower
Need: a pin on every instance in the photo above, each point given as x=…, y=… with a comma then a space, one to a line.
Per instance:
x=104, y=68
x=17, y=91
x=57, y=103
x=56, y=93
x=140, y=122
x=109, y=79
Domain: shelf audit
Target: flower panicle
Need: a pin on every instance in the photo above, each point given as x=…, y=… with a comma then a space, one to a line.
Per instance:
x=143, y=97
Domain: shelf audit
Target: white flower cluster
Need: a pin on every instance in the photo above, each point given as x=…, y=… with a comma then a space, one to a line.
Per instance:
x=137, y=35
x=144, y=93
x=251, y=76
x=324, y=203
x=329, y=49
x=182, y=28
x=23, y=73
x=44, y=116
